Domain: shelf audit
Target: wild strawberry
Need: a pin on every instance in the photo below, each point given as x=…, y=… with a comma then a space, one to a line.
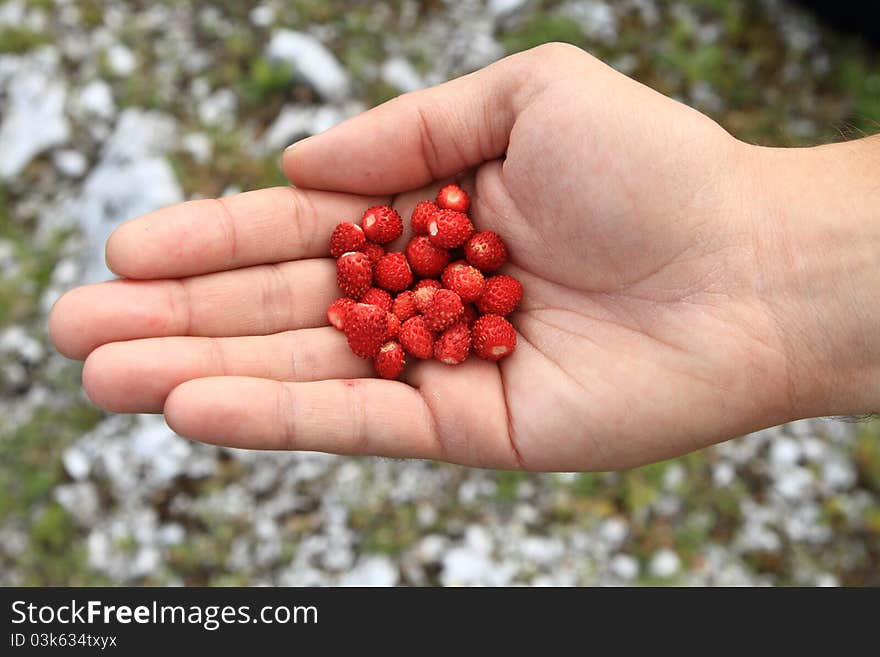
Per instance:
x=390, y=360
x=470, y=314
x=346, y=237
x=486, y=251
x=425, y=258
x=392, y=326
x=449, y=228
x=493, y=337
x=365, y=327
x=466, y=281
x=416, y=338
x=423, y=292
x=421, y=215
x=501, y=297
x=374, y=251
x=453, y=197
x=354, y=273
x=404, y=306
x=377, y=297
x=443, y=310
x=393, y=273
x=382, y=224
x=454, y=344
x=336, y=311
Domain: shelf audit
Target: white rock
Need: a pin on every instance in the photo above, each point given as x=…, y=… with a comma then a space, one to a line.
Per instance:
x=219, y=108
x=400, y=74
x=198, y=145
x=785, y=452
x=171, y=534
x=371, y=571
x=9, y=265
x=121, y=60
x=431, y=548
x=298, y=121
x=503, y=7
x=838, y=474
x=96, y=99
x=76, y=463
x=598, y=19
x=69, y=162
x=131, y=178
x=311, y=61
x=827, y=580
x=613, y=531
x=794, y=482
x=12, y=13
x=33, y=119
x=625, y=566
x=262, y=15
x=14, y=375
x=674, y=476
x=80, y=500
x=478, y=539
x=543, y=551
x=723, y=474
x=467, y=567
x=665, y=563
x=17, y=342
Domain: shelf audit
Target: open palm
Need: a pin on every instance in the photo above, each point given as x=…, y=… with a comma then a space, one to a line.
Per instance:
x=640, y=336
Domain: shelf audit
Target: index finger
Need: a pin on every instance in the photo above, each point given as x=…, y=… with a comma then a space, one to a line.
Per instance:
x=204, y=236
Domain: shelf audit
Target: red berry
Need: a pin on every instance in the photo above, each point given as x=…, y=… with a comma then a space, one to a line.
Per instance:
x=393, y=272
x=354, y=273
x=390, y=360
x=425, y=258
x=423, y=292
x=377, y=297
x=485, y=251
x=392, y=326
x=449, y=228
x=443, y=310
x=416, y=337
x=346, y=237
x=453, y=197
x=404, y=306
x=466, y=281
x=502, y=295
x=365, y=327
x=493, y=337
x=373, y=251
x=421, y=215
x=454, y=344
x=382, y=224
x=336, y=311
x=470, y=314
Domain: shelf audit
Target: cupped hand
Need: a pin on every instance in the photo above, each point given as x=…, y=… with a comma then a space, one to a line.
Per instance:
x=640, y=334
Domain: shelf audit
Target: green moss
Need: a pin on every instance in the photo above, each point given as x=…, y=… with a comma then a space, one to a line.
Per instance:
x=507, y=483
x=586, y=484
x=31, y=456
x=389, y=530
x=265, y=80
x=866, y=455
x=543, y=28
x=18, y=40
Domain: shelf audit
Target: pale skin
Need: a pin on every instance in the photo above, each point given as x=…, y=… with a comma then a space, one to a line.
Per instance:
x=681, y=287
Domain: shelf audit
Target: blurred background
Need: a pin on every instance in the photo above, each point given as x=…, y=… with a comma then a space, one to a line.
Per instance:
x=109, y=109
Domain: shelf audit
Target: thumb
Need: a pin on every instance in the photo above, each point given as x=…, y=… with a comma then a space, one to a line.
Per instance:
x=415, y=138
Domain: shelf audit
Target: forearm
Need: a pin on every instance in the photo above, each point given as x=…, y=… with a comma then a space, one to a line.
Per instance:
x=817, y=245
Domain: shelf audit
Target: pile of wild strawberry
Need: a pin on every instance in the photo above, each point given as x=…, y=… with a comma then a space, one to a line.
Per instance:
x=425, y=317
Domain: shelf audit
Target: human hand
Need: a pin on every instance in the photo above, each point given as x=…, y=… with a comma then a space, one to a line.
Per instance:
x=651, y=325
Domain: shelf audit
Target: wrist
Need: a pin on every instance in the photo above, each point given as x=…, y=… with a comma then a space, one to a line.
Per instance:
x=816, y=231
